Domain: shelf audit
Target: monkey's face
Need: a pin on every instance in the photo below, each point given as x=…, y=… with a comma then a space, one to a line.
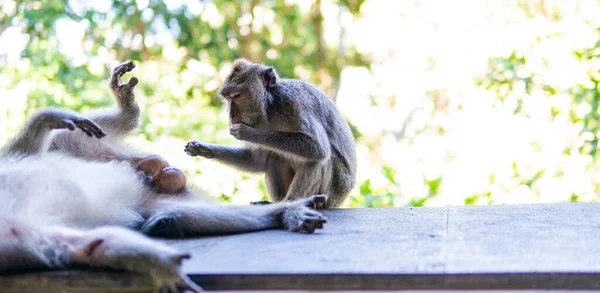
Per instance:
x=243, y=90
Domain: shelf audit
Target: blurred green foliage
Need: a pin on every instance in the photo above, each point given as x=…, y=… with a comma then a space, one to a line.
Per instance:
x=513, y=81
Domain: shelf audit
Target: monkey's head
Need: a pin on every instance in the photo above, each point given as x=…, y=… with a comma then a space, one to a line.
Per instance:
x=246, y=90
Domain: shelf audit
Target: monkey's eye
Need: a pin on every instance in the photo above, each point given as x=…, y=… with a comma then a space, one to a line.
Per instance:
x=234, y=95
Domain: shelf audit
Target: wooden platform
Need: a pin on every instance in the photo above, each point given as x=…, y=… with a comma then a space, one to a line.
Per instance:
x=554, y=246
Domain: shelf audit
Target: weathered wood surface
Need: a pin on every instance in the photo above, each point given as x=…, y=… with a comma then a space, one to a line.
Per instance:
x=554, y=246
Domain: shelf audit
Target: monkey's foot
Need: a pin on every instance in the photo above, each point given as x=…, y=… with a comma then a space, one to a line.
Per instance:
x=163, y=226
x=195, y=148
x=260, y=203
x=65, y=120
x=298, y=217
x=123, y=92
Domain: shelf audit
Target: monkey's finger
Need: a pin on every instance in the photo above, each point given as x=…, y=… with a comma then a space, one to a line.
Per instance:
x=132, y=82
x=130, y=66
x=91, y=132
x=115, y=80
x=124, y=68
x=308, y=227
x=86, y=131
x=94, y=128
x=311, y=213
x=319, y=225
x=190, y=152
x=320, y=198
x=69, y=124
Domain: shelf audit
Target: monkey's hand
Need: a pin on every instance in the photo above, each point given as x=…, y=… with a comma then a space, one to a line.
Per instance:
x=57, y=119
x=195, y=148
x=242, y=131
x=299, y=217
x=123, y=92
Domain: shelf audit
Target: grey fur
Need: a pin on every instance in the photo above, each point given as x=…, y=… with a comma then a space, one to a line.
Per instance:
x=86, y=194
x=294, y=133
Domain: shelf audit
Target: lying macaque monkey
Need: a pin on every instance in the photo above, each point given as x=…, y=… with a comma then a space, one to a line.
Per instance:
x=73, y=196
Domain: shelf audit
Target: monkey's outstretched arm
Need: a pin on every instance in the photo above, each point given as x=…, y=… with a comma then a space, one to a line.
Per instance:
x=242, y=158
x=125, y=119
x=34, y=138
x=176, y=218
x=312, y=148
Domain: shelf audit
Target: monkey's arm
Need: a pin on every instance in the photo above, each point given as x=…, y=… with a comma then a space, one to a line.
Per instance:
x=176, y=218
x=126, y=118
x=242, y=158
x=314, y=147
x=34, y=137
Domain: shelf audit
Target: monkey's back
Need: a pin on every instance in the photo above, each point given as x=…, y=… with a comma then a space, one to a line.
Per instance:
x=306, y=100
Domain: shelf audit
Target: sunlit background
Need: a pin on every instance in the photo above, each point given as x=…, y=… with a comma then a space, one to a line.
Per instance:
x=451, y=102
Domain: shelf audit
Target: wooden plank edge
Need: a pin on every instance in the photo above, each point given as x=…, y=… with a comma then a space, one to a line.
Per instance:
x=117, y=282
x=336, y=282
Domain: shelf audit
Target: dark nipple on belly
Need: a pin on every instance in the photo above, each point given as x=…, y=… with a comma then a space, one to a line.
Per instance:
x=161, y=176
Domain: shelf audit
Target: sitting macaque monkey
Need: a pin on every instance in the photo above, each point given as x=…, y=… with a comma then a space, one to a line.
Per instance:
x=73, y=196
x=294, y=134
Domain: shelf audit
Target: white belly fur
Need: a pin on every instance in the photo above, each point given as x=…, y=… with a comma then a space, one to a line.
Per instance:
x=56, y=189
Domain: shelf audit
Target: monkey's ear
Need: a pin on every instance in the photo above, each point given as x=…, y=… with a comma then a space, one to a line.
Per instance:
x=269, y=77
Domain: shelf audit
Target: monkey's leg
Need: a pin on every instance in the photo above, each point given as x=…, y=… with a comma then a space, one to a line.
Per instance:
x=177, y=219
x=34, y=137
x=241, y=158
x=310, y=179
x=126, y=118
x=278, y=177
